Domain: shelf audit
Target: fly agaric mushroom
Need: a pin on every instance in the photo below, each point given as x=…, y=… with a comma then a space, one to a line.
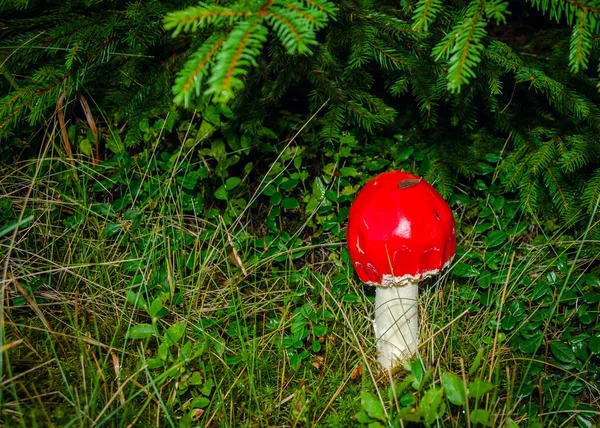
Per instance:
x=400, y=231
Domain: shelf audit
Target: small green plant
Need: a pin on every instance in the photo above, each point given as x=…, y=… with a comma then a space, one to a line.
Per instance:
x=421, y=398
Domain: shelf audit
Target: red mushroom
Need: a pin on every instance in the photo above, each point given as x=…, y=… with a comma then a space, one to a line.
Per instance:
x=400, y=231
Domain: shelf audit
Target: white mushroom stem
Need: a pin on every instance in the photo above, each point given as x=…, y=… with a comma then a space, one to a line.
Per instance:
x=396, y=322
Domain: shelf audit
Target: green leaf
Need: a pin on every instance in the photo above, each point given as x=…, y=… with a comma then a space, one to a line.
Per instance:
x=221, y=193
x=319, y=330
x=454, y=388
x=135, y=299
x=350, y=298
x=131, y=215
x=232, y=183
x=269, y=190
x=407, y=400
x=189, y=181
x=110, y=229
x=498, y=203
x=584, y=422
x=363, y=418
x=480, y=416
x=403, y=154
x=529, y=346
x=348, y=171
x=275, y=198
x=199, y=403
x=464, y=270
x=318, y=189
x=141, y=331
x=585, y=316
x=540, y=291
x=591, y=298
x=463, y=46
x=163, y=351
x=186, y=350
x=496, y=238
x=290, y=203
x=196, y=379
x=155, y=307
x=594, y=345
x=485, y=168
x=431, y=405
x=175, y=332
x=492, y=157
x=331, y=195
x=85, y=146
x=207, y=387
x=154, y=363
x=418, y=372
x=485, y=279
x=373, y=407
x=289, y=184
x=476, y=362
x=562, y=352
x=478, y=388
x=425, y=13
x=12, y=226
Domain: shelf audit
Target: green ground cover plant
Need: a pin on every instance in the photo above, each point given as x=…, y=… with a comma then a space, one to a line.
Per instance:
x=176, y=181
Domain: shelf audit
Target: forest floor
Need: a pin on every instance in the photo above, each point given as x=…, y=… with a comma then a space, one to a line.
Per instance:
x=146, y=313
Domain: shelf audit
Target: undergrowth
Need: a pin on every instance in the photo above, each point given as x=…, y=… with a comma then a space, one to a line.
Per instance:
x=192, y=284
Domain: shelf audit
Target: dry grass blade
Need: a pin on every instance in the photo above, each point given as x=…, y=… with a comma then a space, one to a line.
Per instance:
x=60, y=113
x=117, y=369
x=37, y=310
x=92, y=124
x=11, y=345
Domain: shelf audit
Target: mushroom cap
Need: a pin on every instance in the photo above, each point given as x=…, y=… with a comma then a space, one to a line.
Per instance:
x=400, y=229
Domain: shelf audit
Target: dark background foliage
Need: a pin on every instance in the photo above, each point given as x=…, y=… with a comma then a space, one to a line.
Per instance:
x=380, y=67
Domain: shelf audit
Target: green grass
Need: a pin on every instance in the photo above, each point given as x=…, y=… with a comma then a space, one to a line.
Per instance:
x=153, y=316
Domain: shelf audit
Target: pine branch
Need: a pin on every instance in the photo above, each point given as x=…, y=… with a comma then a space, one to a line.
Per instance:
x=243, y=44
x=425, y=14
x=560, y=195
x=333, y=121
x=566, y=101
x=529, y=191
x=368, y=111
x=584, y=17
x=583, y=150
x=557, y=8
x=399, y=87
x=516, y=164
x=294, y=23
x=390, y=58
x=427, y=94
x=542, y=157
x=315, y=13
x=363, y=37
x=591, y=193
x=504, y=56
x=325, y=6
x=191, y=77
x=295, y=32
x=204, y=15
x=463, y=46
x=581, y=44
